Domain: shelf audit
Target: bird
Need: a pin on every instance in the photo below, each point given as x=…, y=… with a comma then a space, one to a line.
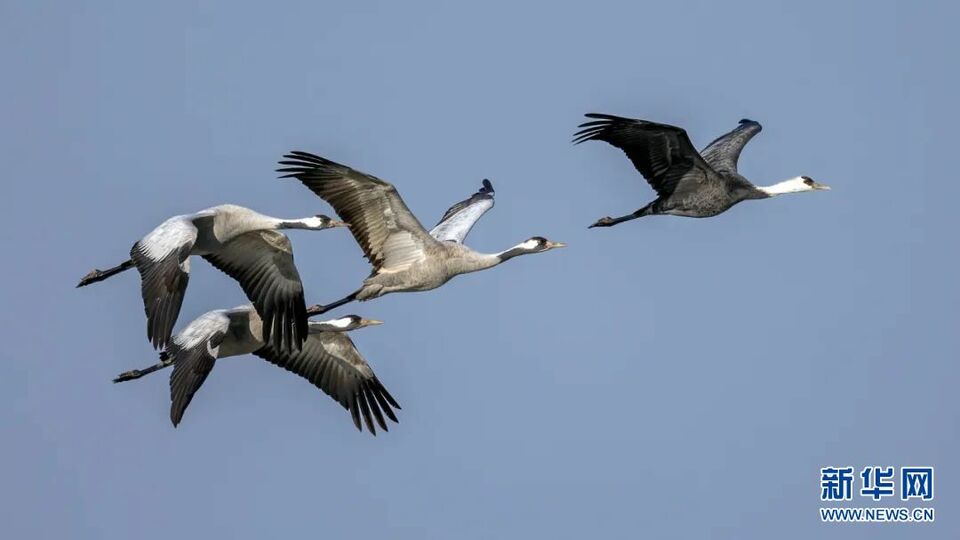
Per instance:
x=328, y=359
x=240, y=242
x=688, y=183
x=404, y=256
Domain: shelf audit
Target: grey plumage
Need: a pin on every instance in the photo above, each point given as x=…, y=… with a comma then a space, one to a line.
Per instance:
x=687, y=183
x=328, y=359
x=723, y=153
x=238, y=241
x=404, y=256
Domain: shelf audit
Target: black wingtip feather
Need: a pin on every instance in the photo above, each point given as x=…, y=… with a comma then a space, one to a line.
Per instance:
x=595, y=129
x=589, y=133
x=365, y=410
x=374, y=406
x=378, y=392
x=603, y=116
x=386, y=394
x=298, y=163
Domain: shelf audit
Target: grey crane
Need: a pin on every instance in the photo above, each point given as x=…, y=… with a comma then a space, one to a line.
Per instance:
x=240, y=242
x=328, y=359
x=404, y=256
x=688, y=183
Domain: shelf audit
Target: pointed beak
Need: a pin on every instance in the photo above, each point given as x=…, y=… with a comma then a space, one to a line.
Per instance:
x=370, y=322
x=554, y=245
x=820, y=187
x=338, y=223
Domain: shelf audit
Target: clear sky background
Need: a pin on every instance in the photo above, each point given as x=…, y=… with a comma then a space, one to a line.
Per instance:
x=666, y=378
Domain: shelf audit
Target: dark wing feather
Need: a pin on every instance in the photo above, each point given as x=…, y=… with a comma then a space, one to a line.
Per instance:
x=460, y=218
x=190, y=368
x=262, y=262
x=662, y=153
x=162, y=258
x=723, y=153
x=388, y=233
x=331, y=362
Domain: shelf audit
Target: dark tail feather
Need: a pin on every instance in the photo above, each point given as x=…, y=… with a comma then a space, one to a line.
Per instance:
x=100, y=275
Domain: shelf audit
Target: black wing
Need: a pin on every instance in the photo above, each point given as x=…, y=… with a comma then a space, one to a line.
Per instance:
x=331, y=362
x=190, y=368
x=162, y=258
x=662, y=153
x=262, y=262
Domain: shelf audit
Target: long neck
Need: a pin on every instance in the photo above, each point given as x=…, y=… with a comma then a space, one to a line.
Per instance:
x=506, y=255
x=249, y=220
x=793, y=185
x=473, y=261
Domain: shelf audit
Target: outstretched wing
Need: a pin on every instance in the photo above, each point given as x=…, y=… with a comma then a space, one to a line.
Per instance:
x=662, y=153
x=262, y=262
x=724, y=152
x=389, y=234
x=331, y=362
x=460, y=218
x=194, y=352
x=163, y=259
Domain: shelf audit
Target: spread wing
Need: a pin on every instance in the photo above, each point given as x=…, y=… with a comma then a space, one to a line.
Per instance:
x=332, y=363
x=662, y=153
x=262, y=262
x=163, y=259
x=460, y=218
x=389, y=234
x=722, y=154
x=194, y=351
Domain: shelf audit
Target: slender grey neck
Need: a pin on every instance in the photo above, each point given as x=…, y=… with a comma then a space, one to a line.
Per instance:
x=515, y=251
x=466, y=260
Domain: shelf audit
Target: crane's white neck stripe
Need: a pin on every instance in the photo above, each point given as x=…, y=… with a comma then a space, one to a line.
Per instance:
x=342, y=322
x=793, y=185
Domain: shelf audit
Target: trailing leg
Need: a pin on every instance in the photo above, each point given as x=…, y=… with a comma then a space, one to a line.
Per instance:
x=610, y=222
x=320, y=309
x=165, y=360
x=100, y=275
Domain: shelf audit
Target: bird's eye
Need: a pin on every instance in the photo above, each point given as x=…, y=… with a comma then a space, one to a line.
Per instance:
x=807, y=180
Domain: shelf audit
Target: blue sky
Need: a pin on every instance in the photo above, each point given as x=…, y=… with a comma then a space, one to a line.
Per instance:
x=666, y=378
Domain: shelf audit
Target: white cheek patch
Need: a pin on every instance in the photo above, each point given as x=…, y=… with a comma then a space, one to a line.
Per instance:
x=529, y=244
x=340, y=323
